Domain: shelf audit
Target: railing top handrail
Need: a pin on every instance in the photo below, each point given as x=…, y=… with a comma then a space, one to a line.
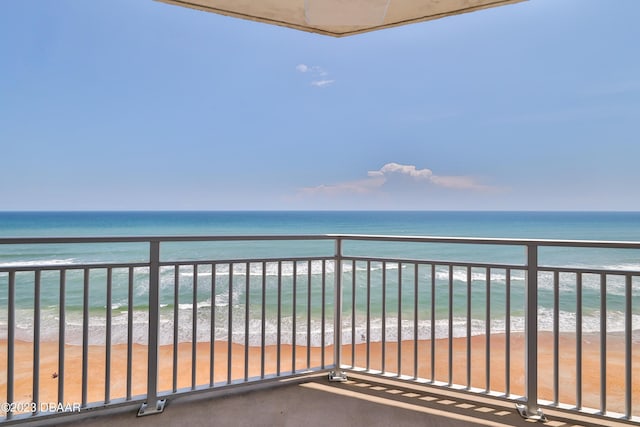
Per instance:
x=507, y=241
x=170, y=238
x=347, y=237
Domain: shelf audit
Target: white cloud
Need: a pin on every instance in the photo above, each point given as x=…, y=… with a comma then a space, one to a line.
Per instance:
x=322, y=83
x=409, y=170
x=456, y=182
x=318, y=74
x=362, y=186
x=377, y=179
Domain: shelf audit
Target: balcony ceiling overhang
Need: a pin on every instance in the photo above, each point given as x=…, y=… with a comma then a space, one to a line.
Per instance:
x=339, y=18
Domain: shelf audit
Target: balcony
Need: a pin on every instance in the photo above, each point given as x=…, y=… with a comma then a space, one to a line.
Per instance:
x=350, y=327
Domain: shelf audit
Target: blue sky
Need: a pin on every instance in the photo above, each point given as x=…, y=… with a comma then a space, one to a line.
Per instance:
x=136, y=104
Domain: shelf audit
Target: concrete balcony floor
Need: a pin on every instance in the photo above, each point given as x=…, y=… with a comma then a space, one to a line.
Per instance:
x=364, y=400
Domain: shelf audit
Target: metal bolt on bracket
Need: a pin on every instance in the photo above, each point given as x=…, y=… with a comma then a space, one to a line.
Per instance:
x=337, y=376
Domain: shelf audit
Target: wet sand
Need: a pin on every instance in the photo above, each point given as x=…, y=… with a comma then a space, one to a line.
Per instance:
x=591, y=377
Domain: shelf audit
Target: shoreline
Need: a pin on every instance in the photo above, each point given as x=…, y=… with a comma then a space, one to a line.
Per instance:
x=591, y=381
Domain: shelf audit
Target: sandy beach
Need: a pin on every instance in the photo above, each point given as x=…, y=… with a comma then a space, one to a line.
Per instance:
x=96, y=363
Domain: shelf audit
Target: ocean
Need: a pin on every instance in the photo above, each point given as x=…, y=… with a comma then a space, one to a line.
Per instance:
x=221, y=296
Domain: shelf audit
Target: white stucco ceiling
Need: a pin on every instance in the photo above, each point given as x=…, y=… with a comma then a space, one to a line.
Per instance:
x=339, y=17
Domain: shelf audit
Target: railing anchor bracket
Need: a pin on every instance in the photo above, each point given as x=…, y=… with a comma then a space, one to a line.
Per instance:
x=337, y=376
x=147, y=409
x=536, y=416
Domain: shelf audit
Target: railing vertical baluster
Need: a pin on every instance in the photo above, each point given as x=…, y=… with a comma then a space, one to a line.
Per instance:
x=337, y=374
x=194, y=326
x=433, y=323
x=264, y=318
x=337, y=308
x=469, y=327
x=507, y=347
x=353, y=313
x=487, y=346
x=384, y=316
x=212, y=331
x=294, y=313
x=129, y=333
x=530, y=409
x=36, y=341
x=628, y=345
x=323, y=309
x=556, y=336
x=247, y=272
x=107, y=356
x=279, y=323
x=309, y=266
x=399, y=319
x=85, y=337
x=415, y=320
x=368, y=315
x=176, y=323
x=153, y=405
x=61, y=335
x=11, y=339
x=603, y=343
x=450, y=326
x=230, y=326
x=246, y=320
x=579, y=341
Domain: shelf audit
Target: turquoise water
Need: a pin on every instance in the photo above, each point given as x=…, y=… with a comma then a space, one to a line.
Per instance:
x=556, y=225
x=543, y=225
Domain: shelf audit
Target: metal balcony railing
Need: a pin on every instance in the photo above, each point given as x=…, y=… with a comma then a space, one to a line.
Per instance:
x=137, y=320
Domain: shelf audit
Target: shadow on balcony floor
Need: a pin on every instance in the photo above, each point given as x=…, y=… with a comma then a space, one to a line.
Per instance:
x=364, y=400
